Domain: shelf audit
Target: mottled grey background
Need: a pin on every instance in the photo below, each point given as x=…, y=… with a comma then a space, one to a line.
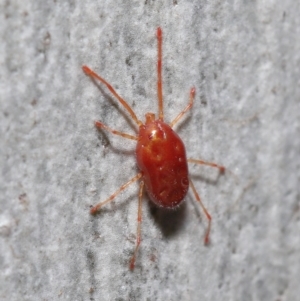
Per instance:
x=243, y=57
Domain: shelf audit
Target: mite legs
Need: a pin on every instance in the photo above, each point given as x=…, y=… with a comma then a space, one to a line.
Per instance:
x=96, y=208
x=94, y=75
x=190, y=104
x=206, y=239
x=159, y=77
x=100, y=125
x=138, y=231
x=211, y=164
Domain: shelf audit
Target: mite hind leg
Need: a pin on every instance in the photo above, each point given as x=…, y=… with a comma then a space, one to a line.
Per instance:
x=97, y=207
x=139, y=224
x=222, y=169
x=206, y=239
x=211, y=164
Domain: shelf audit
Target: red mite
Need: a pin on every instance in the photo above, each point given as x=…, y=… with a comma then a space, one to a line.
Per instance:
x=160, y=154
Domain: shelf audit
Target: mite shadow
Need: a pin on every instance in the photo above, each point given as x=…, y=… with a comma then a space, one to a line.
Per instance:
x=170, y=221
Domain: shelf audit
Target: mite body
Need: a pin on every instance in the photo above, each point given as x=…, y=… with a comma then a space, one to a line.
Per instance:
x=160, y=153
x=162, y=159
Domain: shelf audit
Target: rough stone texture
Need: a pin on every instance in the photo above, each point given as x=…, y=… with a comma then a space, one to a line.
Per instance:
x=243, y=57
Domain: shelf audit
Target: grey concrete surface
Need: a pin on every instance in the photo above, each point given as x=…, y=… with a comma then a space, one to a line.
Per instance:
x=243, y=57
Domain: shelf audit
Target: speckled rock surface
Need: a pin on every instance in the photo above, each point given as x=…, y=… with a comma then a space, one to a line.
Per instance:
x=243, y=59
